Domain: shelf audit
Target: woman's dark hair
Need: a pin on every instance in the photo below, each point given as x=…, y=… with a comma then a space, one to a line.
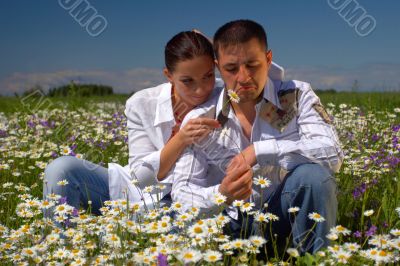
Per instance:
x=238, y=32
x=186, y=45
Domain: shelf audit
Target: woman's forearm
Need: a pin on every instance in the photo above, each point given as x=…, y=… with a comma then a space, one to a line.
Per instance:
x=169, y=155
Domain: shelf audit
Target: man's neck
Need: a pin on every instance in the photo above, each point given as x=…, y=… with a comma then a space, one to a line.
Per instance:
x=246, y=110
x=246, y=114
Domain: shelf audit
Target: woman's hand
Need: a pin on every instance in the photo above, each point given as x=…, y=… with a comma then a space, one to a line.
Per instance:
x=196, y=129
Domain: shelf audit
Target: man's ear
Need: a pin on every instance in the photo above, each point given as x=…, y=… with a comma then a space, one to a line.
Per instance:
x=167, y=74
x=217, y=65
x=268, y=56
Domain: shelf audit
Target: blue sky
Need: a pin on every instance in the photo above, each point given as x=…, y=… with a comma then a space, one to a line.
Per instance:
x=42, y=44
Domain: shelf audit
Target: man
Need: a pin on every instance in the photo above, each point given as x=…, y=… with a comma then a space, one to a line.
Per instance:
x=278, y=130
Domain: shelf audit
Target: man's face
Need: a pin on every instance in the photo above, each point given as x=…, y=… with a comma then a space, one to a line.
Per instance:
x=244, y=68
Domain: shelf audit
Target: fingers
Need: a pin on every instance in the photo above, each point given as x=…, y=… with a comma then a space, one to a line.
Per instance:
x=241, y=188
x=243, y=194
x=238, y=181
x=212, y=123
x=237, y=166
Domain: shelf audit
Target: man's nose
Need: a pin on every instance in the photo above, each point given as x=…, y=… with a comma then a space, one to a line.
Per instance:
x=243, y=75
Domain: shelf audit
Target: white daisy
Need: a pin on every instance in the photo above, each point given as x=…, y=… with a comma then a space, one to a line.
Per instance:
x=353, y=247
x=233, y=96
x=237, y=203
x=342, y=256
x=339, y=229
x=189, y=255
x=368, y=213
x=316, y=217
x=219, y=199
x=260, y=217
x=395, y=232
x=257, y=241
x=262, y=182
x=212, y=256
x=197, y=230
x=293, y=252
x=293, y=209
x=247, y=206
x=63, y=182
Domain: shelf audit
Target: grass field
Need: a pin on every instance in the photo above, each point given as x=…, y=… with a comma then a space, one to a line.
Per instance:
x=34, y=131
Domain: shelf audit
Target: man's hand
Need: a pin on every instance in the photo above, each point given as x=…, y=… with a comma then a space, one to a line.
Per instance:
x=247, y=154
x=237, y=184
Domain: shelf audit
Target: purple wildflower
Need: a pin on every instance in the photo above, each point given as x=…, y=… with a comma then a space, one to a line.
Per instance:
x=375, y=138
x=357, y=234
x=31, y=124
x=62, y=200
x=3, y=133
x=75, y=212
x=371, y=231
x=162, y=260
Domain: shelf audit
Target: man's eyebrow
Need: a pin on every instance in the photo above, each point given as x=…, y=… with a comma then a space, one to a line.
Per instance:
x=230, y=64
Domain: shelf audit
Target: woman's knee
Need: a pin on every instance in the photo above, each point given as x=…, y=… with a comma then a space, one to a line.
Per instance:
x=59, y=169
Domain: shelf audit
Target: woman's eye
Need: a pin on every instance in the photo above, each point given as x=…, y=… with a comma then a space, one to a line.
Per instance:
x=209, y=76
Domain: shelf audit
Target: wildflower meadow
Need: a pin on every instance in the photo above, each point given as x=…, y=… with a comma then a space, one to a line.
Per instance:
x=35, y=130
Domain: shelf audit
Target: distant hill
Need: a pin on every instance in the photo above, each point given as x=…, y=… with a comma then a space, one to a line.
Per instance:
x=80, y=90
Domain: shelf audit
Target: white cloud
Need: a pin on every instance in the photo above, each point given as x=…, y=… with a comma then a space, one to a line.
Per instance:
x=122, y=81
x=371, y=77
x=377, y=77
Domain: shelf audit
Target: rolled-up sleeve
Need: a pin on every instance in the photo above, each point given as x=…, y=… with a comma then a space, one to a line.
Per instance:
x=193, y=165
x=318, y=141
x=144, y=157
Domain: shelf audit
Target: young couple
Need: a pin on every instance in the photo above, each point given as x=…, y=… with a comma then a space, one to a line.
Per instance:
x=188, y=135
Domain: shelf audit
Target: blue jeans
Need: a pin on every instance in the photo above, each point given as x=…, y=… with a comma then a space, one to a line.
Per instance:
x=311, y=188
x=86, y=181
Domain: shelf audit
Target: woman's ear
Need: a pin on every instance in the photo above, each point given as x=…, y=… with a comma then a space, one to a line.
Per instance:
x=167, y=74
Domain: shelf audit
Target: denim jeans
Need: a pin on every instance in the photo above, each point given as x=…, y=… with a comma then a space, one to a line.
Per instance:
x=311, y=188
x=86, y=181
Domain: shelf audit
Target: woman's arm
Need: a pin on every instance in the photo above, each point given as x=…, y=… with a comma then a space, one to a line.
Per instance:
x=147, y=163
x=193, y=131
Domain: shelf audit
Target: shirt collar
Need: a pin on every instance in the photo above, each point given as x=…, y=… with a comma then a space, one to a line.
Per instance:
x=270, y=93
x=164, y=106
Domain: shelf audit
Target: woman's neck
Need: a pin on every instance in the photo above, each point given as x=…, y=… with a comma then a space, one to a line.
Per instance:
x=179, y=106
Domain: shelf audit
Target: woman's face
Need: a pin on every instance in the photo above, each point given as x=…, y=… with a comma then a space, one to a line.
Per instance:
x=193, y=80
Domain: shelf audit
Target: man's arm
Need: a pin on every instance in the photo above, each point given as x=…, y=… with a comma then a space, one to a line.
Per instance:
x=318, y=141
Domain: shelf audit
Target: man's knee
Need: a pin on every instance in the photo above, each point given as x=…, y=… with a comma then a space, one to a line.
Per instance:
x=313, y=176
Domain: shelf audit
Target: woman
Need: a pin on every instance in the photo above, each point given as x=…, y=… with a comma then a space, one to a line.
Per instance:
x=154, y=135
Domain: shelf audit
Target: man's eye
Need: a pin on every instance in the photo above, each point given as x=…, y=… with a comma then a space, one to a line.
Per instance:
x=186, y=81
x=232, y=70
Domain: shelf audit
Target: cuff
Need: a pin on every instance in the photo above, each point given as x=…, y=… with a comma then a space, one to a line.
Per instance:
x=147, y=169
x=212, y=208
x=266, y=152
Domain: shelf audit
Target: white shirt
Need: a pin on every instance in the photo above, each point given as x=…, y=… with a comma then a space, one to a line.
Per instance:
x=150, y=121
x=290, y=128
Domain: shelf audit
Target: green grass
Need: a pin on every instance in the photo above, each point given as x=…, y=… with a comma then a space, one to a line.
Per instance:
x=367, y=100
x=372, y=101
x=366, y=132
